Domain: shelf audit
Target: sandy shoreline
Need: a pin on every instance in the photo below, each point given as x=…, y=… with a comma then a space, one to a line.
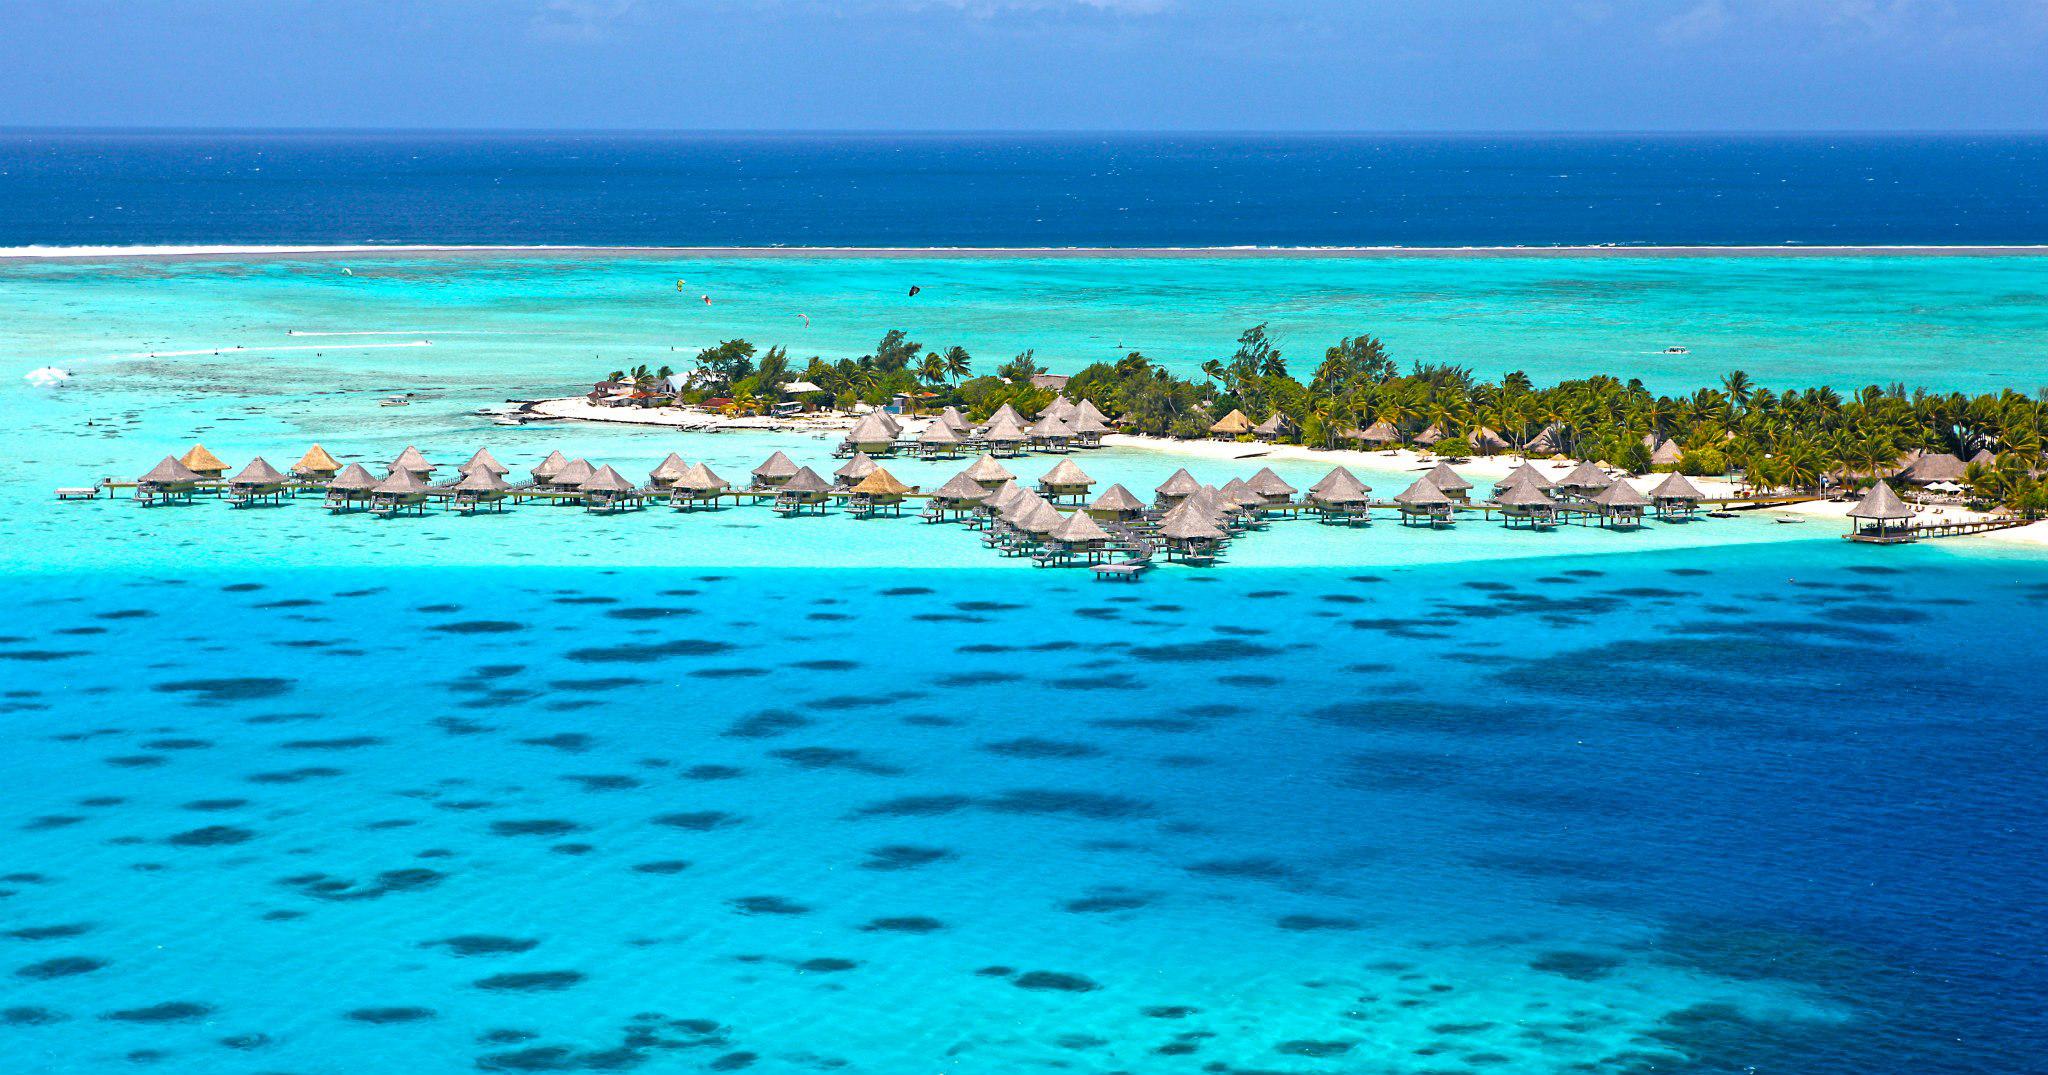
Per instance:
x=258, y=253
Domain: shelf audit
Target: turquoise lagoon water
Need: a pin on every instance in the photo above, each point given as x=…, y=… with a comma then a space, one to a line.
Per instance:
x=545, y=792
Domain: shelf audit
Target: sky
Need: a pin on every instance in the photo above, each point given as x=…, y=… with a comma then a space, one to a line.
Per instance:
x=1361, y=65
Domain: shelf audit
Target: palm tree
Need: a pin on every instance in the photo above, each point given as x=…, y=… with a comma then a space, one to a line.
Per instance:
x=1738, y=387
x=932, y=369
x=958, y=364
x=1214, y=370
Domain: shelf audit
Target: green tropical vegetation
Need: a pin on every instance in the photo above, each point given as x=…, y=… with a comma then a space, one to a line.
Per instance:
x=1794, y=439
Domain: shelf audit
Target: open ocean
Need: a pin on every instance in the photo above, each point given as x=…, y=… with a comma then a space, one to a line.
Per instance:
x=543, y=792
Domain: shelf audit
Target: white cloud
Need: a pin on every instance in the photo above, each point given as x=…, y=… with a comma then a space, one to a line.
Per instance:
x=578, y=20
x=1703, y=21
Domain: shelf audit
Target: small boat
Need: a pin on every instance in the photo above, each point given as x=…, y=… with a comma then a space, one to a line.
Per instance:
x=1720, y=515
x=1788, y=521
x=1677, y=351
x=394, y=401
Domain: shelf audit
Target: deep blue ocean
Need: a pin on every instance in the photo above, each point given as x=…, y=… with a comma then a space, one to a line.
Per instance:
x=97, y=188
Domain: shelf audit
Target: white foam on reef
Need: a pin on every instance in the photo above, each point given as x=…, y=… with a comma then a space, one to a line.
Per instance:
x=267, y=350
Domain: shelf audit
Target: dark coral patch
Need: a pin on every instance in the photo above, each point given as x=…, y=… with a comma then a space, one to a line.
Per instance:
x=381, y=1016
x=545, y=981
x=905, y=924
x=1054, y=981
x=233, y=689
x=904, y=857
x=767, y=905
x=663, y=867
x=212, y=836
x=535, y=827
x=62, y=967
x=698, y=820
x=171, y=1011
x=483, y=944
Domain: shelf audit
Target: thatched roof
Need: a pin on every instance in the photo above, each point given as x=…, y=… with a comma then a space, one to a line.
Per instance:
x=889, y=421
x=1118, y=499
x=1274, y=425
x=939, y=433
x=1239, y=493
x=1340, y=486
x=605, y=480
x=1039, y=517
x=573, y=473
x=1179, y=484
x=411, y=459
x=258, y=472
x=1985, y=457
x=1060, y=407
x=670, y=469
x=1020, y=504
x=547, y=468
x=1077, y=528
x=986, y=469
x=316, y=461
x=1668, y=454
x=1587, y=475
x=1380, y=432
x=880, y=482
x=872, y=428
x=1087, y=410
x=806, y=480
x=1006, y=414
x=353, y=479
x=853, y=470
x=1620, y=495
x=1448, y=480
x=201, y=460
x=401, y=482
x=952, y=419
x=1933, y=467
x=1054, y=428
x=1881, y=503
x=1676, y=487
x=1232, y=424
x=1430, y=436
x=1487, y=442
x=961, y=487
x=1003, y=494
x=1268, y=484
x=1006, y=430
x=1423, y=494
x=1549, y=441
x=483, y=458
x=1523, y=495
x=481, y=480
x=776, y=466
x=1084, y=423
x=1065, y=472
x=700, y=479
x=171, y=470
x=1187, y=523
x=1529, y=475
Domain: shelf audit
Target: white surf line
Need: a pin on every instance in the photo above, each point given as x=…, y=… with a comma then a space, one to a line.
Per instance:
x=411, y=332
x=267, y=350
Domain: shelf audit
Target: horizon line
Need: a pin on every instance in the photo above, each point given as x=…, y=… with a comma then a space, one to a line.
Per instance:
x=1305, y=132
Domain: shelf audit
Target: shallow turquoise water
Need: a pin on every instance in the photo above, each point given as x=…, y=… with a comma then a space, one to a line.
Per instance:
x=548, y=792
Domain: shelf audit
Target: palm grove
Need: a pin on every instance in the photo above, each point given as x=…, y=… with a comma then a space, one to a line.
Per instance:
x=1795, y=439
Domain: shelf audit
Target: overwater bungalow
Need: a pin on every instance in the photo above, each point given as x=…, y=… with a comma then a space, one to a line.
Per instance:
x=203, y=463
x=402, y=491
x=258, y=483
x=1190, y=534
x=1450, y=482
x=875, y=433
x=1273, y=428
x=1005, y=438
x=774, y=471
x=664, y=475
x=853, y=470
x=412, y=461
x=1525, y=475
x=1620, y=505
x=1060, y=407
x=696, y=487
x=169, y=482
x=990, y=474
x=957, y=498
x=544, y=472
x=952, y=419
x=1232, y=425
x=607, y=491
x=1089, y=427
x=1584, y=482
x=1425, y=504
x=1065, y=483
x=877, y=493
x=1053, y=434
x=1522, y=504
x=1340, y=498
x=1076, y=535
x=1004, y=415
x=803, y=492
x=316, y=466
x=484, y=460
x=1240, y=500
x=1881, y=517
x=481, y=489
x=1117, y=504
x=940, y=439
x=1177, y=487
x=1271, y=487
x=571, y=477
x=1675, y=497
x=1667, y=454
x=350, y=490
x=1933, y=467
